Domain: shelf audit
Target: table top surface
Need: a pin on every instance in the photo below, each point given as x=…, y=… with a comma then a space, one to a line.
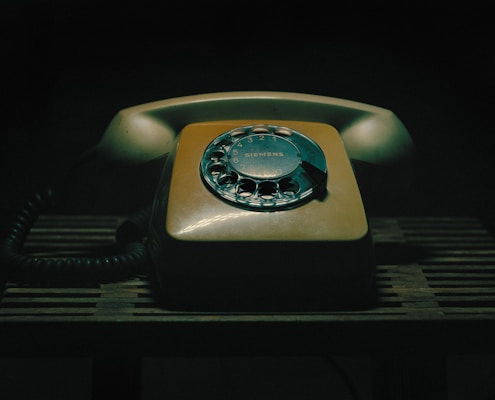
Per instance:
x=430, y=270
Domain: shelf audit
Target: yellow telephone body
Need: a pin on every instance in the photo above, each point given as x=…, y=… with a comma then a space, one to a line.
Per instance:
x=205, y=246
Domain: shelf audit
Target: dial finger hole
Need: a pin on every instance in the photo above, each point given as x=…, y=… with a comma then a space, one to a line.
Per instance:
x=246, y=188
x=216, y=169
x=289, y=187
x=260, y=129
x=267, y=190
x=227, y=180
x=216, y=155
x=223, y=142
x=283, y=131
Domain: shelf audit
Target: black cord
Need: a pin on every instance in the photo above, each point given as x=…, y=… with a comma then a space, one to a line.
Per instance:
x=130, y=237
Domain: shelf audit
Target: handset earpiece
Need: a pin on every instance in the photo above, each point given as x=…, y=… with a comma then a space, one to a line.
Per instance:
x=133, y=136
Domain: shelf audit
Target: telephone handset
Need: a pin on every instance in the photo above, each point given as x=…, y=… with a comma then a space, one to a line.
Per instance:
x=262, y=200
x=259, y=205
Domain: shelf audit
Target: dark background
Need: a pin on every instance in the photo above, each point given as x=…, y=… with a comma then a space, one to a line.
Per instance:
x=68, y=67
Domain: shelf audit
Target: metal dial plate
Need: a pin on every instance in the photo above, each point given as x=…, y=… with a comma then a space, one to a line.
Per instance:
x=264, y=167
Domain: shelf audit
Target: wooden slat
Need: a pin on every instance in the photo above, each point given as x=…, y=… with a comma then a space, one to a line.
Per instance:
x=450, y=274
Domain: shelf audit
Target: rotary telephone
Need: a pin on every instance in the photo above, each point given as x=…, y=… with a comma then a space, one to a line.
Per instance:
x=262, y=198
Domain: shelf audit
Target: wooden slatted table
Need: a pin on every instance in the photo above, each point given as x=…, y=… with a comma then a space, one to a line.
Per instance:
x=436, y=286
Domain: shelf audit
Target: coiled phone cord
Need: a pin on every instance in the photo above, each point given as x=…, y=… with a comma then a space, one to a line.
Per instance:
x=130, y=237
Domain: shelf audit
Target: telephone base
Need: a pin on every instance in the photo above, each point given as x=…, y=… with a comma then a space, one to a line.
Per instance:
x=261, y=215
x=203, y=301
x=264, y=276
